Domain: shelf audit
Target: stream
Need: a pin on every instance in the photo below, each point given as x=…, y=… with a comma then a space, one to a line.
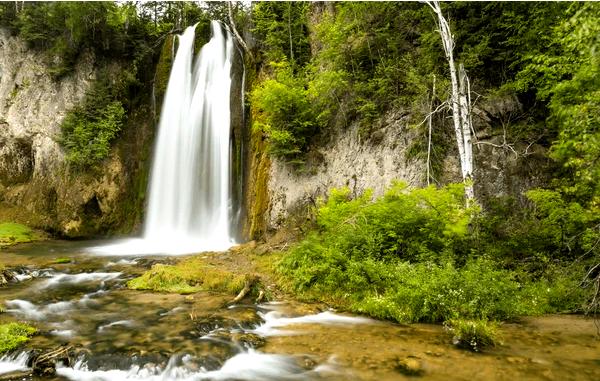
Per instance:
x=120, y=334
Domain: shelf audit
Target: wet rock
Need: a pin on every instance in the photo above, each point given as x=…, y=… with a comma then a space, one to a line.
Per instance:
x=410, y=366
x=124, y=360
x=308, y=363
x=206, y=325
x=248, y=340
x=147, y=263
x=5, y=277
x=516, y=360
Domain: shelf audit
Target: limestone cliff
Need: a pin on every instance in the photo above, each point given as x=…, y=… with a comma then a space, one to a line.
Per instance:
x=37, y=186
x=358, y=162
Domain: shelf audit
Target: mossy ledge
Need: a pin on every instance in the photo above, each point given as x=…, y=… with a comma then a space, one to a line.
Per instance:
x=187, y=277
x=12, y=233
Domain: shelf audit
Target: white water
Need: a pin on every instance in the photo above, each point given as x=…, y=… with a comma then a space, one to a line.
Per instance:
x=275, y=320
x=189, y=192
x=13, y=363
x=247, y=366
x=62, y=279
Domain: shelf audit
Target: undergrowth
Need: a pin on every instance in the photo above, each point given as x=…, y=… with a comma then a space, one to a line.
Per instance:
x=409, y=256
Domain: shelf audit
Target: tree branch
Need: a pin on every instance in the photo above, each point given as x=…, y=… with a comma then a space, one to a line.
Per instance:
x=239, y=38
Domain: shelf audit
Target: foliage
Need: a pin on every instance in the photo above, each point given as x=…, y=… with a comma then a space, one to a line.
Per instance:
x=283, y=31
x=89, y=128
x=285, y=108
x=66, y=29
x=409, y=256
x=473, y=334
x=11, y=233
x=14, y=334
x=187, y=277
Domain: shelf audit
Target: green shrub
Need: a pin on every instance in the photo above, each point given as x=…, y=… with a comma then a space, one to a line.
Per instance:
x=285, y=112
x=89, y=128
x=14, y=334
x=408, y=256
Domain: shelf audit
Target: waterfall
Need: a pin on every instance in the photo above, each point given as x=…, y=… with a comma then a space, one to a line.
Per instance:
x=189, y=207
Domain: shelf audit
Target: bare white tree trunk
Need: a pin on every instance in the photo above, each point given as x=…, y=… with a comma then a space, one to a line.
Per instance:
x=460, y=104
x=465, y=116
x=237, y=35
x=430, y=130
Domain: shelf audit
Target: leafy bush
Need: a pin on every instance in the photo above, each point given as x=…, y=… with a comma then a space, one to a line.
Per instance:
x=409, y=256
x=86, y=137
x=89, y=128
x=284, y=112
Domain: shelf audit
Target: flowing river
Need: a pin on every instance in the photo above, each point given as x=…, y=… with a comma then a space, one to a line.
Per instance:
x=119, y=334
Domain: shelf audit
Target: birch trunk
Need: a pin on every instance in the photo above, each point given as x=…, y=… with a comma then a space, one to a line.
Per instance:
x=237, y=35
x=460, y=104
x=465, y=110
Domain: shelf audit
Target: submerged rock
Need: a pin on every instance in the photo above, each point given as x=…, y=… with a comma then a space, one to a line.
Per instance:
x=410, y=366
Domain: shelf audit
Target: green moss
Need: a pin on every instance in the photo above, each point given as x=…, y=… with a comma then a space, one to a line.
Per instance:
x=12, y=233
x=163, y=68
x=14, y=334
x=186, y=277
x=473, y=334
x=258, y=200
x=59, y=261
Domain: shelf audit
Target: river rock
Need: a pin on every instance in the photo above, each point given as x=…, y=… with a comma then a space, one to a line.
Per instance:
x=410, y=366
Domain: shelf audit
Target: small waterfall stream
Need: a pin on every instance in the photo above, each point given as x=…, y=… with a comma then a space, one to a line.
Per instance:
x=189, y=207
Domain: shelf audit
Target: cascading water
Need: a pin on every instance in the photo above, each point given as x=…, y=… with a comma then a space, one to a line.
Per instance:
x=189, y=204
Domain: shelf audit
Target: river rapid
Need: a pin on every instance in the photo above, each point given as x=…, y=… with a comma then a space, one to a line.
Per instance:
x=119, y=334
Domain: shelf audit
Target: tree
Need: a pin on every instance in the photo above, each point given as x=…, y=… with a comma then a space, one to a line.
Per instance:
x=460, y=103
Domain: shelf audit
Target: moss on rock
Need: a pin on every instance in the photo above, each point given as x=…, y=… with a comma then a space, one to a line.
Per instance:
x=14, y=334
x=12, y=233
x=188, y=276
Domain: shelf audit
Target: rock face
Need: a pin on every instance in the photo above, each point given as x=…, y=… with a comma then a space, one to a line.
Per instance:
x=358, y=162
x=349, y=160
x=32, y=106
x=37, y=187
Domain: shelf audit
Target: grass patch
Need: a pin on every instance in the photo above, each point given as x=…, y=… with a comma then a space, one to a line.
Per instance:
x=12, y=233
x=187, y=277
x=474, y=335
x=14, y=334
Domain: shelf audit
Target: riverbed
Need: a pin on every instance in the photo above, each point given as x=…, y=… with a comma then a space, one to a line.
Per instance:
x=120, y=334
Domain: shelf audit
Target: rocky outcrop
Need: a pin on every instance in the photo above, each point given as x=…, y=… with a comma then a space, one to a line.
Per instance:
x=37, y=187
x=350, y=160
x=363, y=161
x=32, y=106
